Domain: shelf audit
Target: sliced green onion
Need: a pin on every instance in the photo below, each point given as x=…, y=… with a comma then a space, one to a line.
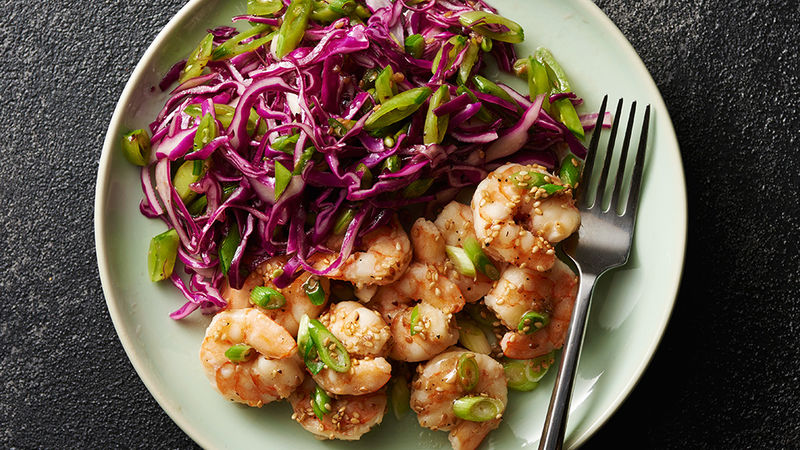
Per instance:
x=282, y=178
x=384, y=85
x=477, y=408
x=480, y=314
x=162, y=254
x=136, y=147
x=227, y=248
x=399, y=396
x=198, y=59
x=234, y=45
x=322, y=12
x=460, y=260
x=417, y=187
x=472, y=337
x=532, y=321
x=468, y=371
x=479, y=258
x=185, y=176
x=303, y=337
x=468, y=62
x=293, y=28
x=323, y=338
x=239, y=353
x=538, y=81
x=313, y=289
x=415, y=45
x=306, y=347
x=267, y=297
x=206, y=131
x=414, y=321
x=552, y=188
x=344, y=7
x=362, y=12
x=525, y=374
x=481, y=21
x=397, y=108
x=320, y=402
x=458, y=43
x=436, y=126
x=199, y=205
x=570, y=171
x=527, y=179
x=389, y=142
x=343, y=221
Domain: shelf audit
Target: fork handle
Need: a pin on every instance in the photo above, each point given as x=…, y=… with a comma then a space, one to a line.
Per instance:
x=556, y=421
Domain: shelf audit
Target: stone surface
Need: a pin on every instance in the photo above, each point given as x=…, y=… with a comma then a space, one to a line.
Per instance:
x=725, y=375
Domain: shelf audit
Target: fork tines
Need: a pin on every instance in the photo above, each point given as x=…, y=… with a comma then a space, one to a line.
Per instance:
x=587, y=200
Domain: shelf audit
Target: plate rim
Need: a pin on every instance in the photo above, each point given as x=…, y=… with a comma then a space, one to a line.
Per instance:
x=104, y=173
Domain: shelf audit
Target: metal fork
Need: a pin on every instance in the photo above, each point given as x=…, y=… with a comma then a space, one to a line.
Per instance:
x=602, y=242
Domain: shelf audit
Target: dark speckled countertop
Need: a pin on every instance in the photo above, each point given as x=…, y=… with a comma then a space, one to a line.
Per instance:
x=725, y=375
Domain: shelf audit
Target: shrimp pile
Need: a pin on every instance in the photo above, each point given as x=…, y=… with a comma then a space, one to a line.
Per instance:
x=420, y=302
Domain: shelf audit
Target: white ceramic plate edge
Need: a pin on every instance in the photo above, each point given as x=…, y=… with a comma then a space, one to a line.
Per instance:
x=105, y=277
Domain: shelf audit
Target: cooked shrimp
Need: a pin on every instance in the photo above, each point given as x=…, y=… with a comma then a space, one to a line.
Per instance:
x=297, y=301
x=436, y=386
x=564, y=289
x=518, y=291
x=386, y=254
x=455, y=225
x=365, y=336
x=271, y=375
x=350, y=416
x=437, y=332
x=505, y=221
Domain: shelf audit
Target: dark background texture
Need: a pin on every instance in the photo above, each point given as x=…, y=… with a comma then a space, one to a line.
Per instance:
x=725, y=375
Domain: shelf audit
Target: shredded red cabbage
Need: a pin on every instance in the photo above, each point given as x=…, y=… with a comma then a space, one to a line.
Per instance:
x=320, y=95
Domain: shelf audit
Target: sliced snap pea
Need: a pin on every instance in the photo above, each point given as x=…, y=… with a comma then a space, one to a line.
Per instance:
x=538, y=81
x=384, y=85
x=525, y=374
x=293, y=28
x=267, y=297
x=417, y=187
x=552, y=188
x=224, y=115
x=480, y=22
x=263, y=7
x=227, y=248
x=563, y=108
x=340, y=127
x=415, y=45
x=206, y=132
x=397, y=108
x=527, y=179
x=239, y=353
x=458, y=43
x=282, y=178
x=392, y=163
x=470, y=58
x=533, y=321
x=136, y=147
x=162, y=254
x=344, y=7
x=188, y=173
x=479, y=258
x=305, y=157
x=198, y=59
x=483, y=114
x=486, y=86
x=480, y=314
x=487, y=44
x=366, y=175
x=234, y=46
x=343, y=220
x=477, y=408
x=436, y=126
x=285, y=143
x=322, y=12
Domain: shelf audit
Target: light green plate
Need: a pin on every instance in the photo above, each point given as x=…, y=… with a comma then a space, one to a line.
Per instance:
x=630, y=309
